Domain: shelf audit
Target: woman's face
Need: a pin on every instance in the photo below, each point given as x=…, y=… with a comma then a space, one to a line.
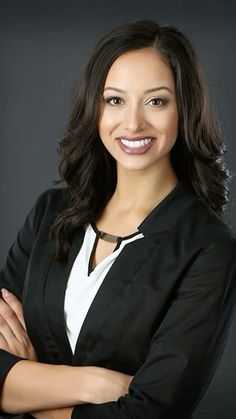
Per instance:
x=138, y=119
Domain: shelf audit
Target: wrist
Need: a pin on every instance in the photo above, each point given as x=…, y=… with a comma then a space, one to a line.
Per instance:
x=86, y=383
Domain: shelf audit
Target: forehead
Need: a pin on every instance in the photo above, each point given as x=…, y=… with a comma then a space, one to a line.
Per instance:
x=145, y=67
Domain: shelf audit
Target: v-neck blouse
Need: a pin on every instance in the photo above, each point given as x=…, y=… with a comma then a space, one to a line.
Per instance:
x=83, y=284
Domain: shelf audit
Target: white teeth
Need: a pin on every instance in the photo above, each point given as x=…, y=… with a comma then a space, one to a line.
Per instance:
x=136, y=143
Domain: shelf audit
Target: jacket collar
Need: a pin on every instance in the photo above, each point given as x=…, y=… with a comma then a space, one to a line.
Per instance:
x=166, y=213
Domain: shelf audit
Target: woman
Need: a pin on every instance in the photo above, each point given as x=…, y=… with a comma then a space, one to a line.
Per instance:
x=127, y=275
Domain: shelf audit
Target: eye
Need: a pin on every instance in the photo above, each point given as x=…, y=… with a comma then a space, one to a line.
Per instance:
x=157, y=101
x=113, y=100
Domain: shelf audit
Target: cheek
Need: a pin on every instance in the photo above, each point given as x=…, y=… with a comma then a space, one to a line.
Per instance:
x=168, y=124
x=107, y=122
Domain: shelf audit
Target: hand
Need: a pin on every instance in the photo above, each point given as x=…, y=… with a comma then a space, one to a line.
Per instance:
x=64, y=413
x=104, y=385
x=13, y=335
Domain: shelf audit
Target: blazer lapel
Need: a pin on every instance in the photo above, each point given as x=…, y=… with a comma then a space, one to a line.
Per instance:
x=55, y=288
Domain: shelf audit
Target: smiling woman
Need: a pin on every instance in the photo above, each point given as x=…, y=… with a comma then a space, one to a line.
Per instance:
x=129, y=271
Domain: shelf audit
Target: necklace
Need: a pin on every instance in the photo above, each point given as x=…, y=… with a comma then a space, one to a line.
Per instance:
x=111, y=238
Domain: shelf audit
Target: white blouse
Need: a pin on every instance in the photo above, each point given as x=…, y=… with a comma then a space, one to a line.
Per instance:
x=83, y=285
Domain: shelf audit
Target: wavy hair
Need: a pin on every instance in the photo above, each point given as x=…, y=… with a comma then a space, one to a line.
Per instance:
x=88, y=169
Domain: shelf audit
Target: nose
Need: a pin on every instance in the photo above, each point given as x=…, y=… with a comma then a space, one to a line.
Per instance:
x=134, y=119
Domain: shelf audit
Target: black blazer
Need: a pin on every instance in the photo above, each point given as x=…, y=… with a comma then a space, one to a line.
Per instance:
x=162, y=313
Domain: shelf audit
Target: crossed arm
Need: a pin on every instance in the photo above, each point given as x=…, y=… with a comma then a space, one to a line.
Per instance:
x=49, y=391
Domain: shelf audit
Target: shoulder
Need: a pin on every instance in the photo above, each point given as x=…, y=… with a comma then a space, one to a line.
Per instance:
x=53, y=197
x=48, y=205
x=202, y=244
x=200, y=228
x=190, y=224
x=204, y=220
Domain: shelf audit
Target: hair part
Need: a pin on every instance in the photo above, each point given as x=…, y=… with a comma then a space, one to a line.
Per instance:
x=88, y=169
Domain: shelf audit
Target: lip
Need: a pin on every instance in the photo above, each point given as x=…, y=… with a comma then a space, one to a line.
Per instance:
x=131, y=150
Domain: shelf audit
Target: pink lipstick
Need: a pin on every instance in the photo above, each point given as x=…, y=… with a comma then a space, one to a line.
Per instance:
x=135, y=145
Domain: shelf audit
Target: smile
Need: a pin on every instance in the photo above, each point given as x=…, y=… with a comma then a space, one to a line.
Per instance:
x=135, y=146
x=136, y=143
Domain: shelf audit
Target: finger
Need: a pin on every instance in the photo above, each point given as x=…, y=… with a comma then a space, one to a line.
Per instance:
x=11, y=319
x=14, y=304
x=6, y=332
x=3, y=343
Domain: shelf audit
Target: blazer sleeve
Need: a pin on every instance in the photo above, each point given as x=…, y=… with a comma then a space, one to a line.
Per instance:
x=13, y=273
x=186, y=347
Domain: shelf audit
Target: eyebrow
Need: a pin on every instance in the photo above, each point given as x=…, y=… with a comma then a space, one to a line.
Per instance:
x=153, y=89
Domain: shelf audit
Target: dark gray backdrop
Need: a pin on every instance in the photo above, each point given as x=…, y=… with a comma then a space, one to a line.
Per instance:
x=42, y=47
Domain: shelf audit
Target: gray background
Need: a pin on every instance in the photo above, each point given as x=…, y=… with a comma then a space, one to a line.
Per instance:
x=42, y=47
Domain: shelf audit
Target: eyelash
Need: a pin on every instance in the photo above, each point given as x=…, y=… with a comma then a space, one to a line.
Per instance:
x=109, y=100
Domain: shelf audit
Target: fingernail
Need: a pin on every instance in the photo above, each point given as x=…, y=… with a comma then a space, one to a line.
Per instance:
x=5, y=292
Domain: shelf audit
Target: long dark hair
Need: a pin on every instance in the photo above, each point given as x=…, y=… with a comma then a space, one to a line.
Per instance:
x=86, y=166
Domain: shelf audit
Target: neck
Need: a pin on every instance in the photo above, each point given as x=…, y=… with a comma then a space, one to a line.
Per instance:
x=142, y=190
